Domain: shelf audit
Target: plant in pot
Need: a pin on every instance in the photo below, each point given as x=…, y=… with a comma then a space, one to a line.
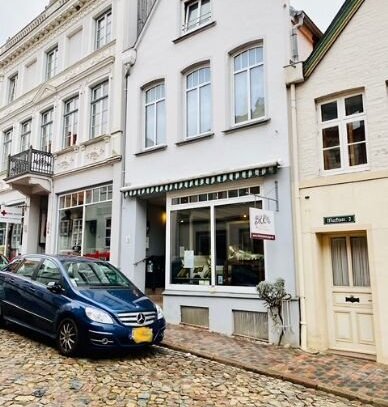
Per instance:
x=273, y=295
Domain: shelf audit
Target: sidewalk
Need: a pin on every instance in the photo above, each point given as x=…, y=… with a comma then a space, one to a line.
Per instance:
x=348, y=377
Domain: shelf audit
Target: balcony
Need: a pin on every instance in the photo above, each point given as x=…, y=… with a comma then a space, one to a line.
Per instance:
x=29, y=171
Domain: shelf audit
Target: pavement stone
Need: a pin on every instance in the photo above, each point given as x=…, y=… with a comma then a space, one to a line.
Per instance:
x=33, y=374
x=345, y=376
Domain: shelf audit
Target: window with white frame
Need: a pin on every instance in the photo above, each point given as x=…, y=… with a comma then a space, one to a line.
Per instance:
x=103, y=29
x=155, y=116
x=99, y=110
x=198, y=102
x=248, y=82
x=12, y=87
x=196, y=14
x=210, y=241
x=108, y=231
x=51, y=62
x=16, y=237
x=343, y=133
x=70, y=122
x=25, y=135
x=46, y=130
x=7, y=143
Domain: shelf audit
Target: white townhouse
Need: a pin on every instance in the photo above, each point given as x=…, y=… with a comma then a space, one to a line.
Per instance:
x=341, y=156
x=61, y=89
x=207, y=138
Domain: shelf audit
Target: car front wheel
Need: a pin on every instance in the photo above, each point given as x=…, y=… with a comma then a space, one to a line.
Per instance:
x=68, y=338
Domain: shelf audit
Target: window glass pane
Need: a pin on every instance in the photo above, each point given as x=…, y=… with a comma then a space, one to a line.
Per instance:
x=237, y=62
x=192, y=113
x=28, y=267
x=48, y=272
x=194, y=198
x=205, y=10
x=353, y=105
x=329, y=111
x=257, y=92
x=161, y=122
x=233, y=193
x=330, y=137
x=206, y=109
x=192, y=18
x=239, y=259
x=240, y=97
x=97, y=230
x=339, y=262
x=150, y=125
x=360, y=263
x=244, y=59
x=357, y=154
x=332, y=159
x=190, y=246
x=356, y=131
x=70, y=230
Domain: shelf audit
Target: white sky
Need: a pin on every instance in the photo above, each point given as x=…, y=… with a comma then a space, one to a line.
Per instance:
x=15, y=14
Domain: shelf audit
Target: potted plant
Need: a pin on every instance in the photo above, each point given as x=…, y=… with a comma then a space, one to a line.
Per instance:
x=273, y=294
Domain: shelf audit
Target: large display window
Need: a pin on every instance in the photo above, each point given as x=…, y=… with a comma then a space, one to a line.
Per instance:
x=210, y=240
x=84, y=225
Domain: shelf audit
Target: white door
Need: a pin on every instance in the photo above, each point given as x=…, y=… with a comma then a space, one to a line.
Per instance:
x=350, y=296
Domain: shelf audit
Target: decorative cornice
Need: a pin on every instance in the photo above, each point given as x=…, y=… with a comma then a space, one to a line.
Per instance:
x=41, y=28
x=341, y=20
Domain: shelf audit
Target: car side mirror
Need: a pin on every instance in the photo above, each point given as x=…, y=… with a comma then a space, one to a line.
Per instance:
x=55, y=287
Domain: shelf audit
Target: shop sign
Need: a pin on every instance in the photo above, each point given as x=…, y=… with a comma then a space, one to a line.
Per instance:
x=262, y=224
x=11, y=214
x=331, y=220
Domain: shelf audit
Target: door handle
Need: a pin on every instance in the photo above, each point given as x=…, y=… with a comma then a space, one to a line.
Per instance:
x=352, y=299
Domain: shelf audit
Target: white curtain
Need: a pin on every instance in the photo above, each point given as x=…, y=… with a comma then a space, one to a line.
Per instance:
x=339, y=261
x=360, y=264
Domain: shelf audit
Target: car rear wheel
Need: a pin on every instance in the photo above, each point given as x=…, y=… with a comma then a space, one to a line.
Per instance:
x=68, y=338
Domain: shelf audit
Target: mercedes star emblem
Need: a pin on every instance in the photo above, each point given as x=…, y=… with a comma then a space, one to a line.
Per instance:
x=140, y=318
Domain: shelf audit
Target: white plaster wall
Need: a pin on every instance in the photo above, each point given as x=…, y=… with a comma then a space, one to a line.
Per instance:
x=159, y=58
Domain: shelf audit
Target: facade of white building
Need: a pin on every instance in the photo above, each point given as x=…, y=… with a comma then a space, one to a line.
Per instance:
x=341, y=135
x=206, y=139
x=61, y=88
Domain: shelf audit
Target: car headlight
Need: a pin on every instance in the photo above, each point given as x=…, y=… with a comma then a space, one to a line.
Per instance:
x=160, y=311
x=97, y=315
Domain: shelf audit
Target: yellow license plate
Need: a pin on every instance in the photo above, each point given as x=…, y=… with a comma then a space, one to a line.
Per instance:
x=142, y=335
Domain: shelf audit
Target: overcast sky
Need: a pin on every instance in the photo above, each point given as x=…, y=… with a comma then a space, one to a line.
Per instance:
x=15, y=14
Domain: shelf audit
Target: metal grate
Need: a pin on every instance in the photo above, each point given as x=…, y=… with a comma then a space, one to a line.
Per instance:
x=251, y=324
x=195, y=316
x=137, y=318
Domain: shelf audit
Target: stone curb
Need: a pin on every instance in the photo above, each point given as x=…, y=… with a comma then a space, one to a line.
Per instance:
x=337, y=391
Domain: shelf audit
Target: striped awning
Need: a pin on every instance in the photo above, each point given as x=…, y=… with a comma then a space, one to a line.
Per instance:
x=214, y=179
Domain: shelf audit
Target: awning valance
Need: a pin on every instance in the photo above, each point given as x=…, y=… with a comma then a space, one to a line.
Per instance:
x=213, y=179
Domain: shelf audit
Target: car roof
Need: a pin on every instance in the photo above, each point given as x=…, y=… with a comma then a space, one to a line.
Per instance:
x=61, y=257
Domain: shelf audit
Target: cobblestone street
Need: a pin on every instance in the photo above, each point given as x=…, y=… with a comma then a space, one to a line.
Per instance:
x=34, y=374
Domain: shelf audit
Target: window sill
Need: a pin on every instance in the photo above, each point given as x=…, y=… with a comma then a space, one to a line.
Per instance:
x=247, y=125
x=64, y=150
x=194, y=32
x=194, y=139
x=150, y=150
x=95, y=140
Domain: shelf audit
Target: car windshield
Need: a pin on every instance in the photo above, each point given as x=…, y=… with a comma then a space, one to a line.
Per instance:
x=95, y=274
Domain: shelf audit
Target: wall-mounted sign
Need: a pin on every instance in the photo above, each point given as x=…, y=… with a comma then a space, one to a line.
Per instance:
x=330, y=220
x=11, y=214
x=262, y=224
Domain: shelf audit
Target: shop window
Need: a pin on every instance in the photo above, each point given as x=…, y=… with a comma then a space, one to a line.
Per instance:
x=239, y=259
x=343, y=134
x=190, y=246
x=85, y=223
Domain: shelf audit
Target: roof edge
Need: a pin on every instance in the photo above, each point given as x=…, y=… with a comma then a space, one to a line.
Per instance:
x=339, y=23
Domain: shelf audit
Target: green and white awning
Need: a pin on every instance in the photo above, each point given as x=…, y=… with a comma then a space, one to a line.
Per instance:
x=213, y=179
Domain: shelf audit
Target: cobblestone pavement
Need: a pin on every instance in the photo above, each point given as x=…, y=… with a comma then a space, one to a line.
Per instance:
x=33, y=374
x=354, y=377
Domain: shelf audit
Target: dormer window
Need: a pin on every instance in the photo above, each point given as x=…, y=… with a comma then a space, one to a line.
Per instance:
x=196, y=14
x=13, y=81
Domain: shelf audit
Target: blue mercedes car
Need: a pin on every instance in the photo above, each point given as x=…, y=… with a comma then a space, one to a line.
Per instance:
x=81, y=303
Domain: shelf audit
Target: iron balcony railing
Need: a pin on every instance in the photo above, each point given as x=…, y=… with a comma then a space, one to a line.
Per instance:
x=30, y=161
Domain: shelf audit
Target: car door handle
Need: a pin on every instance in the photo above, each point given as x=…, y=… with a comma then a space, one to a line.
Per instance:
x=11, y=280
x=31, y=289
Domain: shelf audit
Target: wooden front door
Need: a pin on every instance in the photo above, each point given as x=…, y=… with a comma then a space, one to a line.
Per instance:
x=350, y=299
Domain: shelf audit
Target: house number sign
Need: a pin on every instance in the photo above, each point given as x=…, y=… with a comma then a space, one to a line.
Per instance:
x=330, y=220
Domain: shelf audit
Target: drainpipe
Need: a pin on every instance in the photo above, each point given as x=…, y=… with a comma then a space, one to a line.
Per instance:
x=128, y=63
x=297, y=219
